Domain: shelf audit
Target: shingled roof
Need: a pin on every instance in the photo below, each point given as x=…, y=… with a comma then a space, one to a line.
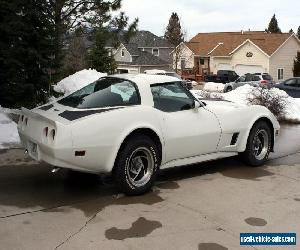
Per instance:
x=223, y=43
x=145, y=39
x=145, y=58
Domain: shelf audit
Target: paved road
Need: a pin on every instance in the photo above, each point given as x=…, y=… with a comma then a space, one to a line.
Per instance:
x=204, y=206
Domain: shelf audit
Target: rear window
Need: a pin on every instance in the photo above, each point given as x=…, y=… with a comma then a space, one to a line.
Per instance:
x=106, y=92
x=267, y=77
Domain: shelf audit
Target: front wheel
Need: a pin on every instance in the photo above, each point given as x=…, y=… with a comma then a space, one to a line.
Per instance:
x=258, y=145
x=136, y=166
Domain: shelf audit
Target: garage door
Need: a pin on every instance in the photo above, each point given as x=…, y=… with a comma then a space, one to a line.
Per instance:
x=224, y=66
x=242, y=69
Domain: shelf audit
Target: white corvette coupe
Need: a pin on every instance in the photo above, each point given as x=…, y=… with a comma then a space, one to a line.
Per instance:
x=133, y=125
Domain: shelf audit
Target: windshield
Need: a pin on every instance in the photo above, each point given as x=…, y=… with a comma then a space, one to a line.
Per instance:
x=105, y=92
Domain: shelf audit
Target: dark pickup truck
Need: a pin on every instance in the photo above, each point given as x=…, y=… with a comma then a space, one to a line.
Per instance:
x=222, y=76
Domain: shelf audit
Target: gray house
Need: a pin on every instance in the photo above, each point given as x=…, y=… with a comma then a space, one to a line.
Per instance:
x=144, y=51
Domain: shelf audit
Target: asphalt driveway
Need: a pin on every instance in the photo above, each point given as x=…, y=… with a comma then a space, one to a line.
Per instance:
x=204, y=206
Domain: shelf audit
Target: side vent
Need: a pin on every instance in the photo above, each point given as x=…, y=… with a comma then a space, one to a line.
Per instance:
x=234, y=138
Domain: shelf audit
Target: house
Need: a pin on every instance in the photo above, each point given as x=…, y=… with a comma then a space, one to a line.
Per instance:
x=244, y=52
x=142, y=52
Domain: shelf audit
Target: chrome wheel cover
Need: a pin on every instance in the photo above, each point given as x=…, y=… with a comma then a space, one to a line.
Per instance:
x=260, y=144
x=140, y=166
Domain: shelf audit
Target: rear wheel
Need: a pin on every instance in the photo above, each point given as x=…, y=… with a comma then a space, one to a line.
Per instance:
x=136, y=165
x=258, y=144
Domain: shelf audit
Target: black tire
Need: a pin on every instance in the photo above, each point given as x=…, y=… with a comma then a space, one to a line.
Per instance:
x=258, y=144
x=228, y=89
x=139, y=154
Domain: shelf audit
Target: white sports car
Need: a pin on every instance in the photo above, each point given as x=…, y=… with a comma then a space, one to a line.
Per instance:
x=134, y=125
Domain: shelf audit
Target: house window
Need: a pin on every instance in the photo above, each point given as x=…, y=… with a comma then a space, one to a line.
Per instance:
x=122, y=52
x=155, y=52
x=279, y=74
x=182, y=63
x=201, y=61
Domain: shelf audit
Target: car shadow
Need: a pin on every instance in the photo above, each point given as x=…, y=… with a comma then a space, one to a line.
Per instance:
x=35, y=188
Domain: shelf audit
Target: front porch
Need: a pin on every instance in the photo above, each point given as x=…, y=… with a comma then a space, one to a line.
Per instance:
x=199, y=71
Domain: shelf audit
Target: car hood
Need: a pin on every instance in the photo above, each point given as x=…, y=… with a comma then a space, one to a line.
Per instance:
x=221, y=106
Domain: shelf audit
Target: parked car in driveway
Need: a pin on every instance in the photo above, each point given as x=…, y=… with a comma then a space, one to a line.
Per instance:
x=131, y=126
x=256, y=80
x=291, y=87
x=222, y=76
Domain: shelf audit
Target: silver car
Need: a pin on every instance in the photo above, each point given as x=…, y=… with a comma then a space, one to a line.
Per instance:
x=256, y=80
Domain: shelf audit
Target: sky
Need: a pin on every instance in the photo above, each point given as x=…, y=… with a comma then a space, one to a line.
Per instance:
x=213, y=15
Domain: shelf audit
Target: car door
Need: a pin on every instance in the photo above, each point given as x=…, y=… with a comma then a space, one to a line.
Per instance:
x=248, y=79
x=297, y=92
x=240, y=81
x=255, y=80
x=290, y=87
x=187, y=131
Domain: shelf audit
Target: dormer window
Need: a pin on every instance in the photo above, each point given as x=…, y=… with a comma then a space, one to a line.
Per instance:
x=122, y=52
x=155, y=52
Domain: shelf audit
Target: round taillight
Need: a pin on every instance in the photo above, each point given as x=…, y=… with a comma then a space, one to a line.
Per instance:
x=53, y=134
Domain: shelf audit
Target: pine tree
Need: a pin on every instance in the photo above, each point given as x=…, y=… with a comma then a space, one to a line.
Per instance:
x=273, y=25
x=99, y=57
x=66, y=15
x=173, y=31
x=298, y=32
x=25, y=50
x=296, y=69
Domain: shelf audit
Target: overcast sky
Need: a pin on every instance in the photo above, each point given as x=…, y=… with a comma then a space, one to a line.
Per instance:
x=213, y=15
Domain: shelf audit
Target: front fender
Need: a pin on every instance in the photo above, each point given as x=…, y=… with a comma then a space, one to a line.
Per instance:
x=258, y=112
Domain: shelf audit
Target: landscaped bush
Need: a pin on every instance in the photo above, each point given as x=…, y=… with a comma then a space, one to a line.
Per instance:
x=270, y=99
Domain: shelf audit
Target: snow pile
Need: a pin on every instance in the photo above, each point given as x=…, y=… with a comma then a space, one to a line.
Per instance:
x=9, y=136
x=214, y=87
x=77, y=81
x=241, y=94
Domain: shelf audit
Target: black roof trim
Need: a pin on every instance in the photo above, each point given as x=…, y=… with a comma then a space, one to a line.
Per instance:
x=47, y=107
x=74, y=115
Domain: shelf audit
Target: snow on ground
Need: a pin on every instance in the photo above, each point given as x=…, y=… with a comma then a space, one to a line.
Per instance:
x=9, y=136
x=214, y=87
x=240, y=95
x=77, y=81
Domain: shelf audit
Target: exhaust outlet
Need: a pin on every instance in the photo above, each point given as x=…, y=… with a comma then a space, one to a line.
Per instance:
x=55, y=170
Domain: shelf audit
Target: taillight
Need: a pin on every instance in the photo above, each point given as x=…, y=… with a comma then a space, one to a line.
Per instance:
x=53, y=134
x=263, y=82
x=22, y=118
x=46, y=130
x=26, y=121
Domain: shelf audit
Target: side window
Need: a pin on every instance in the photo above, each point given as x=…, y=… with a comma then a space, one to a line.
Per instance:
x=248, y=78
x=291, y=83
x=256, y=78
x=171, y=97
x=242, y=79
